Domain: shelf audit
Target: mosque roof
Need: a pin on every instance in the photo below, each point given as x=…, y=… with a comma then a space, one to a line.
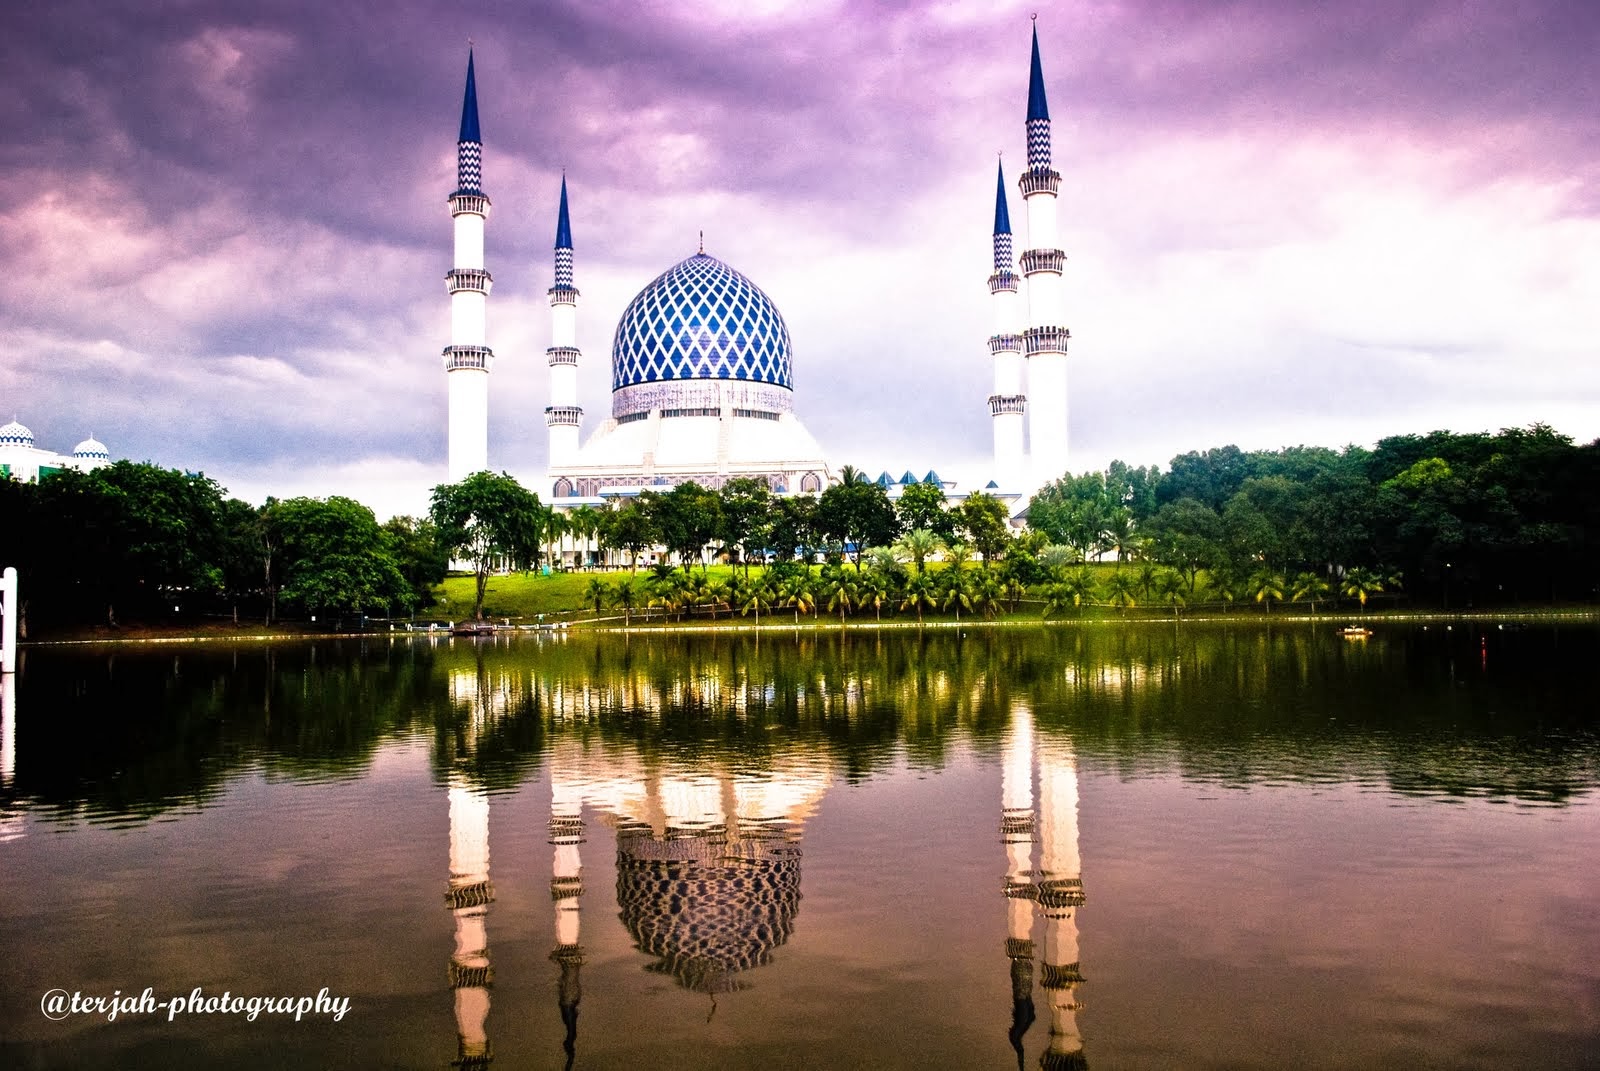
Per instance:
x=15, y=434
x=700, y=319
x=92, y=447
x=907, y=477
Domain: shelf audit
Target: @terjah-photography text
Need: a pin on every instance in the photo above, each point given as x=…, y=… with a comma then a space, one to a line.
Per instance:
x=58, y=1004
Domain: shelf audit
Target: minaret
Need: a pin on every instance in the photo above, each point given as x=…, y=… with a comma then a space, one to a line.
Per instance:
x=1045, y=340
x=1060, y=894
x=566, y=890
x=468, y=896
x=1007, y=403
x=1017, y=833
x=468, y=358
x=562, y=416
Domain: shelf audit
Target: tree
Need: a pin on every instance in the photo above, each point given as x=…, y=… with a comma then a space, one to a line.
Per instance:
x=746, y=514
x=841, y=591
x=595, y=594
x=628, y=528
x=922, y=505
x=486, y=519
x=915, y=546
x=336, y=558
x=1120, y=587
x=684, y=520
x=1267, y=586
x=794, y=527
x=857, y=515
x=919, y=592
x=1310, y=587
x=625, y=596
x=983, y=518
x=422, y=561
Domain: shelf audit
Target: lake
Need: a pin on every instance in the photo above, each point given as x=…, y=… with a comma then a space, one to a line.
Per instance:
x=1252, y=846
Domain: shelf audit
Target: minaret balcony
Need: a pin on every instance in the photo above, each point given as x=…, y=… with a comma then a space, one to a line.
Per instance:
x=1039, y=180
x=1038, y=260
x=474, y=894
x=1037, y=340
x=476, y=357
x=1007, y=403
x=1003, y=280
x=1005, y=343
x=1061, y=892
x=570, y=415
x=563, y=295
x=472, y=280
x=469, y=202
x=562, y=355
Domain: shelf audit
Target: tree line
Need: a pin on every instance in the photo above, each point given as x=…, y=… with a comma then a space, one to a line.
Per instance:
x=1446, y=519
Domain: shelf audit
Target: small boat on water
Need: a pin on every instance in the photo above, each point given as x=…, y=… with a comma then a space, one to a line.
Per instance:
x=1355, y=632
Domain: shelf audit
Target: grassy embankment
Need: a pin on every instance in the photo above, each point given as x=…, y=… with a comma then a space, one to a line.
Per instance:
x=521, y=599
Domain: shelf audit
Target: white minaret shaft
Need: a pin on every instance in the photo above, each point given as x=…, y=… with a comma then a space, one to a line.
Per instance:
x=468, y=896
x=467, y=359
x=562, y=416
x=1045, y=340
x=1009, y=400
x=1060, y=895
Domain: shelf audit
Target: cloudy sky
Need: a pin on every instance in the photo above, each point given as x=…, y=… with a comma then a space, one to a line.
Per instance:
x=224, y=229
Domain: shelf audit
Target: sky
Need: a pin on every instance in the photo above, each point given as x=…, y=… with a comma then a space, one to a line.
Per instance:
x=224, y=224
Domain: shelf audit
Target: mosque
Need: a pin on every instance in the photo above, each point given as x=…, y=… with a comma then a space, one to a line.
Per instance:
x=21, y=460
x=702, y=366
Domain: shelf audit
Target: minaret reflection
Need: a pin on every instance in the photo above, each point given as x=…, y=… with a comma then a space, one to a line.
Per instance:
x=1060, y=894
x=1017, y=833
x=566, y=890
x=468, y=897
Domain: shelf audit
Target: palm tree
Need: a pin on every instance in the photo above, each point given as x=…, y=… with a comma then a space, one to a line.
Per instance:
x=1361, y=583
x=1147, y=580
x=874, y=592
x=917, y=545
x=1268, y=586
x=670, y=592
x=1170, y=587
x=757, y=594
x=798, y=591
x=1119, y=590
x=841, y=595
x=595, y=594
x=957, y=554
x=919, y=592
x=987, y=594
x=626, y=597
x=957, y=593
x=882, y=560
x=1310, y=587
x=850, y=476
x=1080, y=586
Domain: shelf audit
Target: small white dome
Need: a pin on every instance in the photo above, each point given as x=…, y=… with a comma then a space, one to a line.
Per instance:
x=14, y=434
x=92, y=448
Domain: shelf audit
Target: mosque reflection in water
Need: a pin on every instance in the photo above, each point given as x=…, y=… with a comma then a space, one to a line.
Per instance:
x=708, y=864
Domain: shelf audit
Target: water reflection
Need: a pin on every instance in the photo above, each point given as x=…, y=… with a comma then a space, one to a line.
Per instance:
x=468, y=896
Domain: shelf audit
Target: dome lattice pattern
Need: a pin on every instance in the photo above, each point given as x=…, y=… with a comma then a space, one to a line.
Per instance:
x=700, y=319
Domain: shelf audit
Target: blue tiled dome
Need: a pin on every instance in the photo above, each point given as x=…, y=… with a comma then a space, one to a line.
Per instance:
x=700, y=319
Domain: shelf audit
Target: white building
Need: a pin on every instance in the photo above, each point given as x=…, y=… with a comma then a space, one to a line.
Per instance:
x=21, y=460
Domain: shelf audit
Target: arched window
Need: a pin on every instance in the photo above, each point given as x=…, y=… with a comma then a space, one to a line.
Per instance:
x=810, y=482
x=563, y=488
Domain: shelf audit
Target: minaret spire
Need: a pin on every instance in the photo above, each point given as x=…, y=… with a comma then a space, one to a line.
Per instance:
x=563, y=416
x=468, y=358
x=1008, y=403
x=1045, y=340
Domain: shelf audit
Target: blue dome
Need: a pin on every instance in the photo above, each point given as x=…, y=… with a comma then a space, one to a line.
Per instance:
x=700, y=319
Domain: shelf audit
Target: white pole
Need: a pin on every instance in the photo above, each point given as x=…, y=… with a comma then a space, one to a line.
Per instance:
x=8, y=629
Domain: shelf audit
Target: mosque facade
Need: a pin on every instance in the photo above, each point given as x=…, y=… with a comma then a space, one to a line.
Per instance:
x=702, y=363
x=21, y=460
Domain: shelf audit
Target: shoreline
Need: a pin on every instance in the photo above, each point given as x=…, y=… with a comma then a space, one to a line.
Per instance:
x=1243, y=619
